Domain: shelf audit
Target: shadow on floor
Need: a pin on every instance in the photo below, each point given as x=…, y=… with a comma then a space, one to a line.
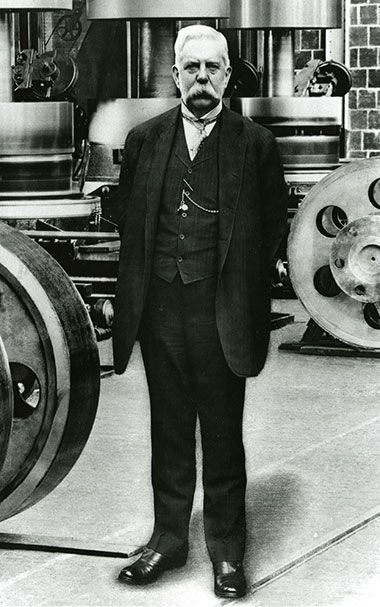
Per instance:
x=274, y=507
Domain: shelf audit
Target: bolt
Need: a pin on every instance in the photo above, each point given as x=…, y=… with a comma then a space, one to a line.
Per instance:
x=353, y=232
x=339, y=263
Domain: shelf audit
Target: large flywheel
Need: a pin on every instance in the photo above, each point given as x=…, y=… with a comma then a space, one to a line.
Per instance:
x=334, y=253
x=49, y=373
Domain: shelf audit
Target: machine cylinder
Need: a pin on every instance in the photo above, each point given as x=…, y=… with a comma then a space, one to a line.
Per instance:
x=156, y=58
x=170, y=9
x=36, y=146
x=247, y=45
x=36, y=128
x=39, y=5
x=5, y=59
x=279, y=62
x=262, y=14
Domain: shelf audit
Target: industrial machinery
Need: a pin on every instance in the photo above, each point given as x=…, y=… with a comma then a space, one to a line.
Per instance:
x=337, y=275
x=42, y=170
x=303, y=108
x=49, y=366
x=49, y=372
x=36, y=138
x=303, y=112
x=149, y=36
x=49, y=361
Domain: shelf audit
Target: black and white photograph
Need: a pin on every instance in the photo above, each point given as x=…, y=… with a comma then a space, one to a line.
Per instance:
x=189, y=303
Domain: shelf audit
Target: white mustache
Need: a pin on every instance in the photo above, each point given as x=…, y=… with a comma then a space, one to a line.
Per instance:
x=203, y=93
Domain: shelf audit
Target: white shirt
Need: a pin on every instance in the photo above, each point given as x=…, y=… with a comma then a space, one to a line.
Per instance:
x=193, y=135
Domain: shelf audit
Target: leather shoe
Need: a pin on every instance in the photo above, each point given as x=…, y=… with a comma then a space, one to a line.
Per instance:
x=150, y=566
x=229, y=580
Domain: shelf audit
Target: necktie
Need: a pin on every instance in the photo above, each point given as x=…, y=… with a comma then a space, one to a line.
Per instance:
x=200, y=124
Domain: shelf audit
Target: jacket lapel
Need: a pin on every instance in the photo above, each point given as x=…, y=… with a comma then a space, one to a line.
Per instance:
x=161, y=145
x=232, y=148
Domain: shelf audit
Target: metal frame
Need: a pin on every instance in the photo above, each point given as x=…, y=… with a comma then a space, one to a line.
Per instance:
x=151, y=9
x=37, y=5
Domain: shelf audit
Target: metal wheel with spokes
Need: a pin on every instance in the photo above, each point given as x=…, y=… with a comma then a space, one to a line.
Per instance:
x=334, y=253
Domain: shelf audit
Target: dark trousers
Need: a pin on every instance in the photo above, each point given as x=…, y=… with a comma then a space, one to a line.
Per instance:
x=188, y=376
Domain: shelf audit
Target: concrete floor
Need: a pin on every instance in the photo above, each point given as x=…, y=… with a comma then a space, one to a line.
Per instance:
x=312, y=444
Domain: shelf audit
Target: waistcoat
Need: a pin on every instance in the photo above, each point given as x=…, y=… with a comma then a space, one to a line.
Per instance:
x=186, y=240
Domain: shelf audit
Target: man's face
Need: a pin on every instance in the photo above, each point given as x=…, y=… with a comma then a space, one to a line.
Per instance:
x=201, y=75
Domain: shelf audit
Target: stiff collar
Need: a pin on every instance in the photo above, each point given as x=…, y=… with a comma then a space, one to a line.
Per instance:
x=209, y=116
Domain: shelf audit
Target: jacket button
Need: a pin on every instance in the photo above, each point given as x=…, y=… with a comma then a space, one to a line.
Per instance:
x=180, y=259
x=182, y=236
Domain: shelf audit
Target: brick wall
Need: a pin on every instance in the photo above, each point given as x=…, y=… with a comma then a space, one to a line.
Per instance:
x=309, y=44
x=364, y=62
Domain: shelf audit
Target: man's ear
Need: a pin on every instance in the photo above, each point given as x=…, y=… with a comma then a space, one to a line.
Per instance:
x=228, y=74
x=175, y=74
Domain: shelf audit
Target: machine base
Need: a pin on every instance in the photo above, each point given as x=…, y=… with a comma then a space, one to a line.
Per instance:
x=318, y=342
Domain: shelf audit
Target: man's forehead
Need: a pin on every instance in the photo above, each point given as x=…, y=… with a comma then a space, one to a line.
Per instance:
x=204, y=49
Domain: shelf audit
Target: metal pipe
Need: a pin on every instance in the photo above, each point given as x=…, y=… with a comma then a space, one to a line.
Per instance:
x=279, y=63
x=128, y=48
x=28, y=29
x=5, y=58
x=247, y=42
x=156, y=58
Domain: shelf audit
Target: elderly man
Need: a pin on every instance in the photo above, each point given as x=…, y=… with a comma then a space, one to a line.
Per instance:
x=203, y=208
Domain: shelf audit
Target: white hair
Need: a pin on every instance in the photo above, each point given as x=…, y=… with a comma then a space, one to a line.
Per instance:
x=196, y=32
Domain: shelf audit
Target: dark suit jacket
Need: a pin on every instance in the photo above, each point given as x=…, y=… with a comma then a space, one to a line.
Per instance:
x=252, y=219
